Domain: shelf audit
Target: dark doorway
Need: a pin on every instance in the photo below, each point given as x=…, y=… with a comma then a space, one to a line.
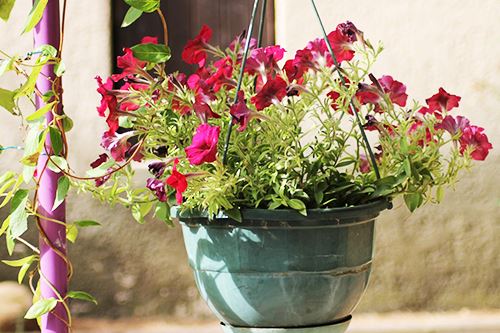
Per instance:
x=227, y=18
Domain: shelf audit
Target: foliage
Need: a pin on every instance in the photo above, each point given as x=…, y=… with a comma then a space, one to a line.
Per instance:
x=298, y=142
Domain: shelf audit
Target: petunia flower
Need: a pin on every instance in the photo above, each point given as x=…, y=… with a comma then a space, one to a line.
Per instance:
x=203, y=148
x=222, y=76
x=118, y=145
x=474, y=138
x=264, y=61
x=452, y=125
x=103, y=158
x=157, y=168
x=158, y=187
x=364, y=164
x=371, y=94
x=242, y=114
x=195, y=50
x=443, y=101
x=108, y=102
x=342, y=40
x=130, y=102
x=272, y=92
x=178, y=181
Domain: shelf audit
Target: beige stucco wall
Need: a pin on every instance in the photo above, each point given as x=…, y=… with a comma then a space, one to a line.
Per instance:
x=442, y=257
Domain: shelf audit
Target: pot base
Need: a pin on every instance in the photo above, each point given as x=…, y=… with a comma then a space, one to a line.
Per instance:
x=330, y=328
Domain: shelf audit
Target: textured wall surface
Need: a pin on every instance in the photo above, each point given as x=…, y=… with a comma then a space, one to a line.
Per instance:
x=443, y=257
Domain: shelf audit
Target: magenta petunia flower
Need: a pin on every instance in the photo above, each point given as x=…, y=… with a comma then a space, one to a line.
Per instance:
x=119, y=146
x=272, y=92
x=158, y=187
x=195, y=50
x=222, y=76
x=242, y=114
x=203, y=149
x=371, y=94
x=178, y=181
x=452, y=125
x=443, y=101
x=264, y=61
x=473, y=137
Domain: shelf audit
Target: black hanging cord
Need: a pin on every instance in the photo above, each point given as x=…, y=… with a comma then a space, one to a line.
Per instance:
x=351, y=103
x=240, y=79
x=261, y=22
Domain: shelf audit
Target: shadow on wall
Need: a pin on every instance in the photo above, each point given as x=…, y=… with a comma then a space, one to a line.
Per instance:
x=441, y=258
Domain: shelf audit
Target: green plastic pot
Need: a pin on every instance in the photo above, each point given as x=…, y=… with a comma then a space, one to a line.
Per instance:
x=280, y=269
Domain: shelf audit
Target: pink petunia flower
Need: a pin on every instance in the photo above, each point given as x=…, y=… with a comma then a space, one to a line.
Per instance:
x=272, y=92
x=178, y=181
x=195, y=50
x=452, y=125
x=203, y=149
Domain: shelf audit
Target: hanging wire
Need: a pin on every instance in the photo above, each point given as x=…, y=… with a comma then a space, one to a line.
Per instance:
x=240, y=78
x=261, y=23
x=351, y=103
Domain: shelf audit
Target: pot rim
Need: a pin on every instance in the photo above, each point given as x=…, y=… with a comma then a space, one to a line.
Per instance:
x=339, y=215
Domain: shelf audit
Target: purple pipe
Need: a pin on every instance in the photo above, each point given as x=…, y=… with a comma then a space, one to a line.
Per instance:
x=53, y=267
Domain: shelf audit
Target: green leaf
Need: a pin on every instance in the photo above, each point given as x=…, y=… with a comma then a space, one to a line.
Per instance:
x=7, y=98
x=155, y=53
x=7, y=64
x=139, y=211
x=101, y=170
x=132, y=15
x=5, y=8
x=298, y=205
x=47, y=51
x=67, y=123
x=5, y=226
x=62, y=191
x=81, y=295
x=18, y=215
x=19, y=262
x=407, y=166
x=439, y=193
x=147, y=6
x=56, y=140
x=162, y=212
x=40, y=112
x=22, y=272
x=87, y=223
x=10, y=243
x=57, y=161
x=235, y=214
x=71, y=232
x=28, y=87
x=40, y=308
x=59, y=69
x=35, y=14
x=413, y=201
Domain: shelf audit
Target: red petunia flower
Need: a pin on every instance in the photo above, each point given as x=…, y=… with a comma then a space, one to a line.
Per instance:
x=473, y=137
x=195, y=50
x=203, y=149
x=273, y=91
x=109, y=102
x=342, y=39
x=178, y=181
x=364, y=164
x=443, y=101
x=129, y=103
x=103, y=158
x=222, y=77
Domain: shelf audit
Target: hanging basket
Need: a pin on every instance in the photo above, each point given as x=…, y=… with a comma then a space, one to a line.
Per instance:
x=280, y=269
